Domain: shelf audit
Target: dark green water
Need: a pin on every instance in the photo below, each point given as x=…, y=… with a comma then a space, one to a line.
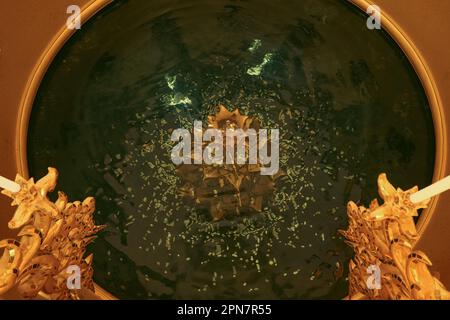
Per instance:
x=347, y=103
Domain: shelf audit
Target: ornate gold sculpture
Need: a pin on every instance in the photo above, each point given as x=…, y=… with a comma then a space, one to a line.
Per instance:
x=53, y=236
x=383, y=237
x=227, y=189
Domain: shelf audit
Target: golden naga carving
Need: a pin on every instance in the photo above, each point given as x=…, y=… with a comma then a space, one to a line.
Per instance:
x=383, y=239
x=227, y=189
x=53, y=236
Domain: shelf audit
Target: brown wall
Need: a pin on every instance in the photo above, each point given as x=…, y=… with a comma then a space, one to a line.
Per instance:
x=27, y=27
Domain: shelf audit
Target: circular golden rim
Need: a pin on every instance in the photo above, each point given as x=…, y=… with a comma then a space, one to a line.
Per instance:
x=88, y=11
x=388, y=24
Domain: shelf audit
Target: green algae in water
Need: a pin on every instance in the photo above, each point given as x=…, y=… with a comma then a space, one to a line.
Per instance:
x=346, y=101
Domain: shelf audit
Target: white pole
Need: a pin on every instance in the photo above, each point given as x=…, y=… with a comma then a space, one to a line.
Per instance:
x=430, y=191
x=9, y=185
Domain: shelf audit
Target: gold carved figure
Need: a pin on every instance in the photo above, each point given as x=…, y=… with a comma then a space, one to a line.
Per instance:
x=52, y=237
x=383, y=238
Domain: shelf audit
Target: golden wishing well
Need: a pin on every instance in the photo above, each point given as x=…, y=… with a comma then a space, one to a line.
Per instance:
x=53, y=237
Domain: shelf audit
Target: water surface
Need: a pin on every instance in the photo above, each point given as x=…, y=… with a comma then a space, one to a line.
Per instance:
x=347, y=103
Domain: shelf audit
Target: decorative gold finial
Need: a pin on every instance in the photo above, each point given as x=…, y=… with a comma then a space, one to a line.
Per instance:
x=383, y=238
x=53, y=236
x=227, y=189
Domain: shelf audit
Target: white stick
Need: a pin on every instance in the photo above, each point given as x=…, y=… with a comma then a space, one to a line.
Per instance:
x=430, y=191
x=9, y=185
